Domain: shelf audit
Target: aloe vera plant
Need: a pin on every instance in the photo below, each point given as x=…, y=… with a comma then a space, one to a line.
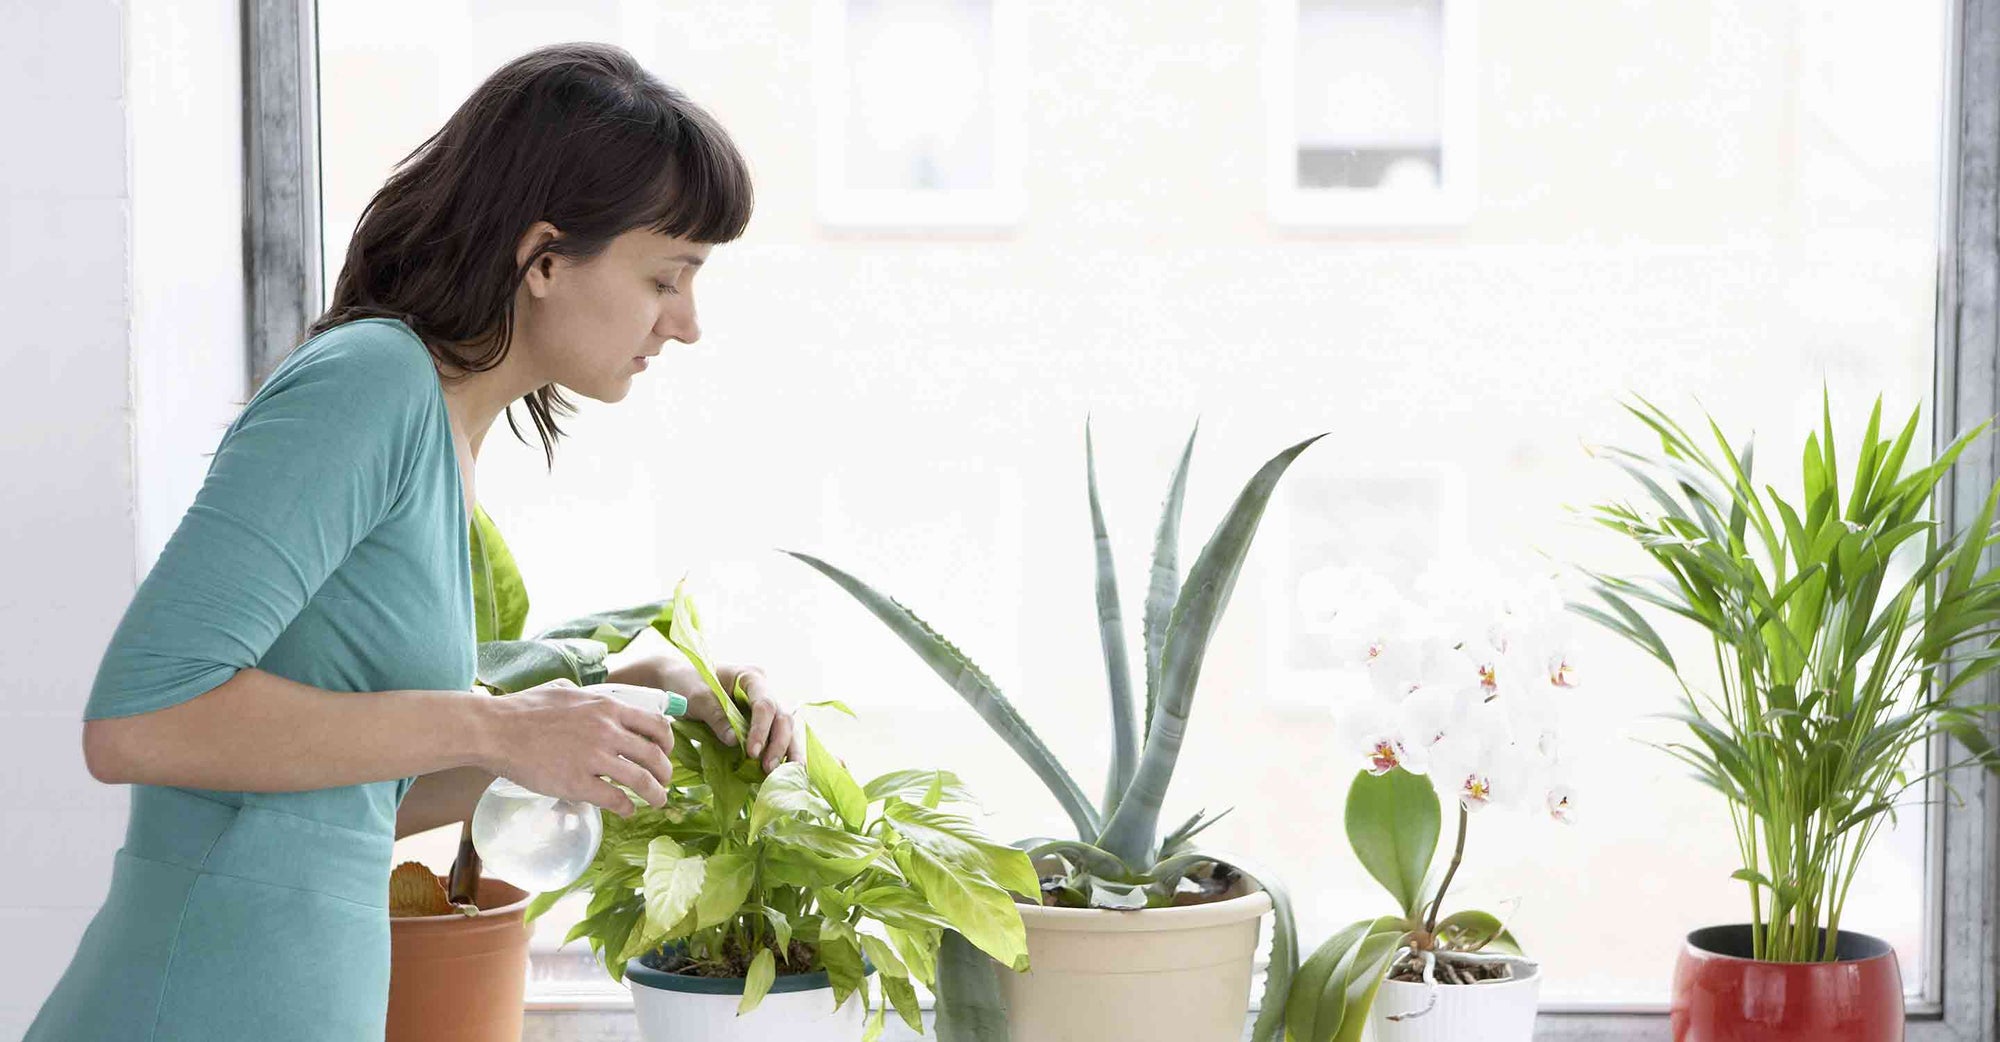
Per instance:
x=1119, y=858
x=1832, y=622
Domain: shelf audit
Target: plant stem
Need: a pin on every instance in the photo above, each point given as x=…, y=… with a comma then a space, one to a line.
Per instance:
x=1457, y=855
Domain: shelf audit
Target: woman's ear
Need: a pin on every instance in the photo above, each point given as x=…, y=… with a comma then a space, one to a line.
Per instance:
x=539, y=233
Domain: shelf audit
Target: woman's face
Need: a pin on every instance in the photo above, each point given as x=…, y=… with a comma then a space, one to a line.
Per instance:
x=593, y=324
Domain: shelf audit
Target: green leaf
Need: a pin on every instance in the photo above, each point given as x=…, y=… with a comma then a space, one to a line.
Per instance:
x=1307, y=1018
x=980, y=910
x=956, y=841
x=1392, y=824
x=919, y=951
x=757, y=983
x=1163, y=585
x=903, y=995
x=834, y=783
x=517, y=665
x=728, y=792
x=499, y=597
x=725, y=886
x=898, y=906
x=1470, y=931
x=1181, y=839
x=1364, y=977
x=615, y=628
x=1133, y=827
x=781, y=924
x=911, y=782
x=831, y=703
x=1111, y=632
x=785, y=793
x=542, y=902
x=683, y=631
x=883, y=956
x=799, y=853
x=969, y=1007
x=1087, y=858
x=1283, y=963
x=840, y=952
x=975, y=688
x=673, y=882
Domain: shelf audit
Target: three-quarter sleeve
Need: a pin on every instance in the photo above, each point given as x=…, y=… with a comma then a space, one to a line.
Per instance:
x=312, y=464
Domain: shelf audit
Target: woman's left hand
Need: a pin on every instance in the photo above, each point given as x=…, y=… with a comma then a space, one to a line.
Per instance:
x=775, y=734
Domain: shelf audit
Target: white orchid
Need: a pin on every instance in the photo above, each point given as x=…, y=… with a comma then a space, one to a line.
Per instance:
x=1466, y=681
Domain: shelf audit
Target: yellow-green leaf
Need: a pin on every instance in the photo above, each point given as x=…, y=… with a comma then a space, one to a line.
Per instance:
x=757, y=984
x=672, y=883
x=833, y=782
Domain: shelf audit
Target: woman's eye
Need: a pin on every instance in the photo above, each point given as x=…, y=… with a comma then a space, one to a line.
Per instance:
x=664, y=288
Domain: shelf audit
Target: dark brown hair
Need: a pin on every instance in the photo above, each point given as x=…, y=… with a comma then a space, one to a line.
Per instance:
x=576, y=134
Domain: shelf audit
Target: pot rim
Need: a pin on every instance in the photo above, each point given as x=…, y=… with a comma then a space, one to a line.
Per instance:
x=1693, y=947
x=1146, y=920
x=640, y=975
x=1531, y=977
x=509, y=909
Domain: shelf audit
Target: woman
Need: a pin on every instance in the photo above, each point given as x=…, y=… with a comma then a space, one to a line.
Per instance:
x=291, y=687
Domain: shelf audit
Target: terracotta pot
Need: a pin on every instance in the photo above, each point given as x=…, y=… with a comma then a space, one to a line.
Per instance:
x=1138, y=976
x=461, y=978
x=1723, y=995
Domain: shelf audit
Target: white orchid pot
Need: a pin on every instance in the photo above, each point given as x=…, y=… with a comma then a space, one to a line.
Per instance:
x=1138, y=976
x=1494, y=1011
x=799, y=1008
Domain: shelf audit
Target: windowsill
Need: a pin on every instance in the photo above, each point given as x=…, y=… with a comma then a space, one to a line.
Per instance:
x=620, y=1026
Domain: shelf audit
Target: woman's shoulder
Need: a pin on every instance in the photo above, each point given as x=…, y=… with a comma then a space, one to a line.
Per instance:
x=375, y=362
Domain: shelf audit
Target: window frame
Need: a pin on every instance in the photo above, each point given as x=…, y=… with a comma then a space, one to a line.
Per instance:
x=1337, y=209
x=283, y=278
x=844, y=209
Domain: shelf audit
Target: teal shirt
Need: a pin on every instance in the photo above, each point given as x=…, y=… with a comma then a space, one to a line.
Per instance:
x=327, y=545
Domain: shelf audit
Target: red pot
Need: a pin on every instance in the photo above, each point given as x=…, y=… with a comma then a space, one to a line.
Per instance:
x=1723, y=995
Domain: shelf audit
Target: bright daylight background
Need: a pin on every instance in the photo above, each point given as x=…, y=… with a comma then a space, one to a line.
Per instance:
x=980, y=221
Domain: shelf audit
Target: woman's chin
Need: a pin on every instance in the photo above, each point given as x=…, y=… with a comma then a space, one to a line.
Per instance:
x=609, y=392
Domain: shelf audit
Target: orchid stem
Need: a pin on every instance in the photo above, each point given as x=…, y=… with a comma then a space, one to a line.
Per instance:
x=1457, y=855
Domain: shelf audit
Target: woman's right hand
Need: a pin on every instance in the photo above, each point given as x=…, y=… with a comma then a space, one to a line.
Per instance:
x=557, y=738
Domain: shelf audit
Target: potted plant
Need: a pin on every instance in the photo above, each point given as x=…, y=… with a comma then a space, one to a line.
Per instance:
x=1138, y=935
x=1463, y=699
x=1832, y=621
x=781, y=893
x=459, y=943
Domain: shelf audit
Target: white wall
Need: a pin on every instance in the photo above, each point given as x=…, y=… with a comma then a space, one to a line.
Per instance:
x=120, y=192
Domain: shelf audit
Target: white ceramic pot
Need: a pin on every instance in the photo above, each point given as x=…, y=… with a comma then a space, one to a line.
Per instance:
x=1141, y=976
x=799, y=1008
x=1503, y=1011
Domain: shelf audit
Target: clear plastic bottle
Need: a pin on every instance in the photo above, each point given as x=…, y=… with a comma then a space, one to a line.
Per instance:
x=536, y=842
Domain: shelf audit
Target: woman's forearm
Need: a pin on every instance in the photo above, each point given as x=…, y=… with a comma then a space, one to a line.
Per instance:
x=259, y=732
x=441, y=798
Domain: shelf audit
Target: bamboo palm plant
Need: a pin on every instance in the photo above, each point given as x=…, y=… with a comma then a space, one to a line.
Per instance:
x=1831, y=622
x=1120, y=858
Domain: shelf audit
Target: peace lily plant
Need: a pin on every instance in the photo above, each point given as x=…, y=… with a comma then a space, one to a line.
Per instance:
x=753, y=875
x=1464, y=692
x=743, y=873
x=1831, y=619
x=1120, y=858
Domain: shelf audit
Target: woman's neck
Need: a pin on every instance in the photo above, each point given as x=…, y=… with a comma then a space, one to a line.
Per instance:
x=475, y=400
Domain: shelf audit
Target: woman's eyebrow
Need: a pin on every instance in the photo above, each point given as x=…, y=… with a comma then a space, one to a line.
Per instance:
x=687, y=258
